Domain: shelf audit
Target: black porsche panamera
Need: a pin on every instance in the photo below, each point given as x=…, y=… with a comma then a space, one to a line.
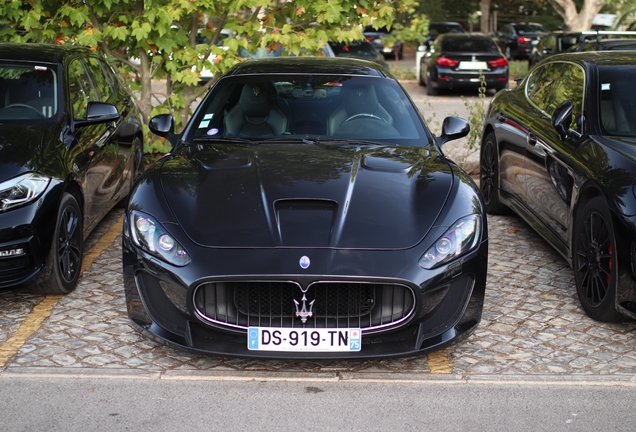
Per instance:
x=560, y=150
x=306, y=211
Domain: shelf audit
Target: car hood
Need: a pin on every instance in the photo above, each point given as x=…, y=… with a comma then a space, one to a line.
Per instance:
x=359, y=197
x=21, y=148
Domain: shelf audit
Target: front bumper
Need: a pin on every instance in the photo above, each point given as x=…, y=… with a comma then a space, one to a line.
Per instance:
x=160, y=297
x=27, y=231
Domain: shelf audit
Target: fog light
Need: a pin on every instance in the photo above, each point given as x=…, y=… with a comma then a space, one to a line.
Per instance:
x=11, y=253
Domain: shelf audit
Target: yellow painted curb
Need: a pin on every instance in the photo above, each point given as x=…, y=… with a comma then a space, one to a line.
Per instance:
x=439, y=363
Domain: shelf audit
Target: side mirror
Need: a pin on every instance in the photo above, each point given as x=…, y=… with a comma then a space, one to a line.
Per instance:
x=162, y=125
x=453, y=128
x=562, y=119
x=422, y=48
x=98, y=112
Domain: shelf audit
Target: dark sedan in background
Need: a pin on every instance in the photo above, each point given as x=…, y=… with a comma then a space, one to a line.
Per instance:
x=463, y=61
x=70, y=149
x=306, y=211
x=560, y=150
x=363, y=50
x=376, y=36
x=517, y=39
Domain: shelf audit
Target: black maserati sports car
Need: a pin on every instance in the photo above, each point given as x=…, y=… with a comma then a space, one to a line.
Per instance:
x=305, y=211
x=70, y=149
x=560, y=150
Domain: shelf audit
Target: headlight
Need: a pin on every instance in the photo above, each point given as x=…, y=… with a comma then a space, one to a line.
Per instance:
x=22, y=190
x=459, y=239
x=149, y=235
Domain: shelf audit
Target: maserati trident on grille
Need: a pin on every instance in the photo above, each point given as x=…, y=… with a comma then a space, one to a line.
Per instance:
x=306, y=211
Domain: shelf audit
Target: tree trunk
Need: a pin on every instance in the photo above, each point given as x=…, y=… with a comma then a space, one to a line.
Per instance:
x=484, y=7
x=577, y=21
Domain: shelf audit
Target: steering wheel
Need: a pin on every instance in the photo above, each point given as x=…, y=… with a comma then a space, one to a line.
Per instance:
x=373, y=116
x=21, y=105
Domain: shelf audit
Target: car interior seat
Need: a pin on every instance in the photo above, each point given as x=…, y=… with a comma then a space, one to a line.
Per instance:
x=255, y=114
x=612, y=114
x=35, y=89
x=357, y=100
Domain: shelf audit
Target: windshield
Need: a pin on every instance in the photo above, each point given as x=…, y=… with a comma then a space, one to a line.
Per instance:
x=323, y=107
x=469, y=45
x=529, y=29
x=359, y=48
x=27, y=92
x=618, y=107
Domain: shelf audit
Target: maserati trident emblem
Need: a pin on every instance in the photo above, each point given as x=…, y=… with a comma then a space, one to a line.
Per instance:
x=304, y=262
x=303, y=313
x=256, y=90
x=360, y=91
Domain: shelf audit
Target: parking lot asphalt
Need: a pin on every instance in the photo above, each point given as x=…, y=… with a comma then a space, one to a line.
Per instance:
x=533, y=328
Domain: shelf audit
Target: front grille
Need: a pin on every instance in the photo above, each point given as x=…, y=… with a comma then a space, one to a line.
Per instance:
x=368, y=306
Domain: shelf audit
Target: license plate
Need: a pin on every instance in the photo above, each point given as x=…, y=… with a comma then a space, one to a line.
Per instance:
x=300, y=339
x=472, y=65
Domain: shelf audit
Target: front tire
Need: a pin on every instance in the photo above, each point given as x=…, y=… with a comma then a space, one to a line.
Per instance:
x=489, y=175
x=508, y=53
x=595, y=261
x=430, y=90
x=64, y=262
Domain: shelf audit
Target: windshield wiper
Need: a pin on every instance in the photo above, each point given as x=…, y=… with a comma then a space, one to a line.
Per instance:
x=291, y=138
x=224, y=139
x=342, y=141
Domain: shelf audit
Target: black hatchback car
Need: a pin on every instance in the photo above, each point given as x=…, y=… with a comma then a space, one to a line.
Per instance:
x=306, y=211
x=70, y=149
x=560, y=150
x=457, y=61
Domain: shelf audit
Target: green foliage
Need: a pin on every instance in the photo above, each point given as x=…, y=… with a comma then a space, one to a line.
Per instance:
x=476, y=114
x=155, y=40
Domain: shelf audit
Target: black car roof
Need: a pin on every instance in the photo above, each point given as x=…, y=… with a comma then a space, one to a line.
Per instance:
x=599, y=58
x=463, y=36
x=38, y=52
x=308, y=65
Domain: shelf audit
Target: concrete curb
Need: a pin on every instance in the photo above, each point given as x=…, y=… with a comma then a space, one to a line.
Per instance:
x=359, y=377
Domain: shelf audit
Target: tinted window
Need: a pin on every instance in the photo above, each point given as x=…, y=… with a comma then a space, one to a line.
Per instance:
x=617, y=86
x=554, y=83
x=437, y=29
x=261, y=107
x=81, y=90
x=27, y=92
x=540, y=87
x=468, y=45
x=529, y=29
x=570, y=86
x=357, y=48
x=100, y=79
